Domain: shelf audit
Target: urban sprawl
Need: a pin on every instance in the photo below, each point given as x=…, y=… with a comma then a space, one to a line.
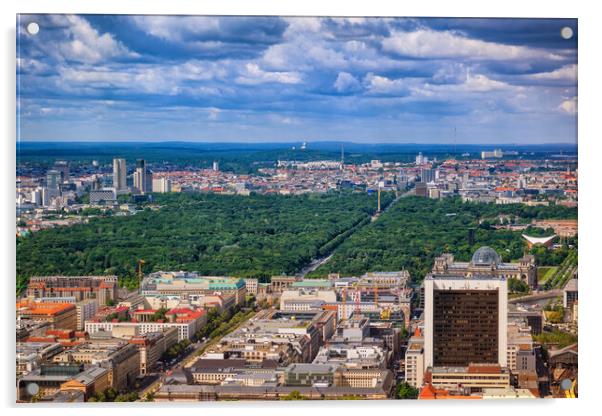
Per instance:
x=458, y=332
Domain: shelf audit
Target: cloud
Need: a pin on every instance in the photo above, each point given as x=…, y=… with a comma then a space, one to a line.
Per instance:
x=255, y=75
x=85, y=44
x=267, y=72
x=569, y=106
x=566, y=73
x=346, y=82
x=382, y=85
x=213, y=113
x=143, y=78
x=426, y=43
x=207, y=30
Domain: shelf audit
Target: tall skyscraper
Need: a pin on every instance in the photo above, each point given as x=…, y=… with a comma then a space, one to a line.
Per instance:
x=62, y=166
x=215, y=165
x=119, y=175
x=53, y=179
x=466, y=317
x=427, y=175
x=142, y=178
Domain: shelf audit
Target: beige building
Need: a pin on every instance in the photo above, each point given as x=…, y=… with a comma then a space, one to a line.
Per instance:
x=90, y=381
x=152, y=346
x=85, y=309
x=414, y=362
x=120, y=358
x=471, y=379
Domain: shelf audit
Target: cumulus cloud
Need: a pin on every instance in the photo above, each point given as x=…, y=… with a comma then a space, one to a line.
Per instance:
x=382, y=85
x=426, y=43
x=85, y=44
x=227, y=68
x=346, y=82
x=255, y=75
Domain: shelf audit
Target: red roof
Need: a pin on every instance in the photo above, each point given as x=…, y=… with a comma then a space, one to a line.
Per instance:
x=484, y=369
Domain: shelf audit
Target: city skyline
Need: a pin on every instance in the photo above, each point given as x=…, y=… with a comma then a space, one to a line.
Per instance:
x=271, y=79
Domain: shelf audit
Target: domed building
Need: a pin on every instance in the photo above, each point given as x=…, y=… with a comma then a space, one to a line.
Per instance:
x=486, y=262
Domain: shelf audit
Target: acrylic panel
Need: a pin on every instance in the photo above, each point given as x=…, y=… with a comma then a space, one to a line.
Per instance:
x=217, y=208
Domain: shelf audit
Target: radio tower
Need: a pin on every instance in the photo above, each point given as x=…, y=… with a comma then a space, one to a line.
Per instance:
x=455, y=151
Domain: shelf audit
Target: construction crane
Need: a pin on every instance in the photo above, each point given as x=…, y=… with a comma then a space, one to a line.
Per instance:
x=140, y=263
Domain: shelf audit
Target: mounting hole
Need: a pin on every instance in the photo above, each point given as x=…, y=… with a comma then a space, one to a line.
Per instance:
x=566, y=33
x=33, y=28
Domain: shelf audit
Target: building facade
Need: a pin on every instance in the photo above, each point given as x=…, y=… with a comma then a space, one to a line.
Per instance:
x=466, y=317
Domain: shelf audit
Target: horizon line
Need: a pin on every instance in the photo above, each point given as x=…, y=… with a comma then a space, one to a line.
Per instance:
x=294, y=142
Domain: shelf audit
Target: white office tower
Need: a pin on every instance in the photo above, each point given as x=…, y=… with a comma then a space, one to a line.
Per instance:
x=36, y=196
x=161, y=185
x=466, y=317
x=215, y=166
x=119, y=175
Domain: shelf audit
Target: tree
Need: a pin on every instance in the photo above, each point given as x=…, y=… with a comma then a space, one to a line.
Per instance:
x=517, y=286
x=406, y=391
x=294, y=395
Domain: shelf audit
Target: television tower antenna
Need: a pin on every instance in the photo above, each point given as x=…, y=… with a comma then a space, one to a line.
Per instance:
x=455, y=151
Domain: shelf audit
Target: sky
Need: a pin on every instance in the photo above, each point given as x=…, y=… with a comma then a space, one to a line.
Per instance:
x=290, y=79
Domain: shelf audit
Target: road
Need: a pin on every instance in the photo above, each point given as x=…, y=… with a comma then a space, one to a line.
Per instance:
x=317, y=262
x=184, y=361
x=549, y=294
x=160, y=376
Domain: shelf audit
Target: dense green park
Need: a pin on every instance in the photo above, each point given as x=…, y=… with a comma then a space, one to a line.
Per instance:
x=415, y=230
x=264, y=235
x=256, y=236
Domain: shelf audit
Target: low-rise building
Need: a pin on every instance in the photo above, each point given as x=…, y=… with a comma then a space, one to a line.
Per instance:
x=120, y=358
x=471, y=379
x=31, y=355
x=58, y=315
x=101, y=288
x=186, y=284
x=186, y=321
x=90, y=381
